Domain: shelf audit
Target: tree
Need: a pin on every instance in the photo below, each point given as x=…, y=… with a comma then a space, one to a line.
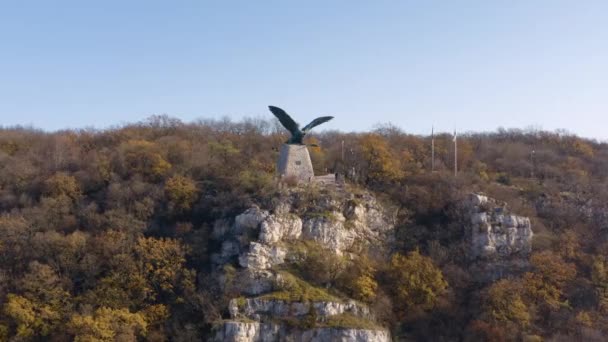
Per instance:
x=381, y=165
x=15, y=235
x=62, y=184
x=108, y=325
x=29, y=318
x=181, y=192
x=415, y=281
x=144, y=157
x=599, y=279
x=503, y=303
x=317, y=264
x=545, y=285
x=39, y=311
x=358, y=279
x=162, y=263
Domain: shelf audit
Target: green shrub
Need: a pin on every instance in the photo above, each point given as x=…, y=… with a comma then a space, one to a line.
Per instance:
x=346, y=320
x=293, y=289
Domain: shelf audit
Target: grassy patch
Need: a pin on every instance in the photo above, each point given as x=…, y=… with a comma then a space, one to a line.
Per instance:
x=241, y=301
x=326, y=214
x=350, y=321
x=294, y=289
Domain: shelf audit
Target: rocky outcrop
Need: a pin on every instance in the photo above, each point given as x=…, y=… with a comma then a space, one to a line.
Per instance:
x=499, y=241
x=262, y=257
x=254, y=282
x=255, y=331
x=344, y=225
x=494, y=232
x=337, y=224
x=260, y=308
x=281, y=226
x=258, y=241
x=250, y=219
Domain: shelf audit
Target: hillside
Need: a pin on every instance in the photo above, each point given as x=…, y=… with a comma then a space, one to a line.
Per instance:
x=163, y=230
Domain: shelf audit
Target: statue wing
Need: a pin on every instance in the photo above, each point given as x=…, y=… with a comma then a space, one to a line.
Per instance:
x=316, y=122
x=285, y=119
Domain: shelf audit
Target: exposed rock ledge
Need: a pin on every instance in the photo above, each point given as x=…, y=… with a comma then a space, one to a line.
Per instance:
x=496, y=233
x=257, y=308
x=235, y=331
x=260, y=240
x=499, y=241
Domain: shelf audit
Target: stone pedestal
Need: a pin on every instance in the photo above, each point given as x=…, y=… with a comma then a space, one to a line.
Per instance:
x=294, y=161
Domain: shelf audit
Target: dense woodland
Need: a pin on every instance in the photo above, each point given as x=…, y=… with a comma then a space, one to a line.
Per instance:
x=105, y=235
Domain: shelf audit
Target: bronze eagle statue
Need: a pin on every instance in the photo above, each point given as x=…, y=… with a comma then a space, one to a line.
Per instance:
x=293, y=127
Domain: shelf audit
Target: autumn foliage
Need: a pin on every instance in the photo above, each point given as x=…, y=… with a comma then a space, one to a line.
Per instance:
x=108, y=235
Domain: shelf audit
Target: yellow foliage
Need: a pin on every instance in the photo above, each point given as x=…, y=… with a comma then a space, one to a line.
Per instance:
x=222, y=152
x=503, y=303
x=103, y=167
x=62, y=184
x=599, y=279
x=181, y=192
x=253, y=181
x=584, y=318
x=143, y=157
x=365, y=287
x=545, y=285
x=9, y=147
x=39, y=310
x=569, y=245
x=358, y=279
x=4, y=332
x=582, y=148
x=108, y=325
x=156, y=314
x=416, y=281
x=120, y=289
x=42, y=285
x=32, y=319
x=380, y=162
x=162, y=263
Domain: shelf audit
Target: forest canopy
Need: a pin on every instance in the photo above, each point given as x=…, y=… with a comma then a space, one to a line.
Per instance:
x=105, y=235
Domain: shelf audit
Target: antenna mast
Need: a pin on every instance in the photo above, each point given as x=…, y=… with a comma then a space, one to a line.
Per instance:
x=432, y=149
x=455, y=154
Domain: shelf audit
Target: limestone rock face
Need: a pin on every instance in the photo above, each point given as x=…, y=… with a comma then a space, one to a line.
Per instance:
x=255, y=282
x=496, y=233
x=280, y=227
x=337, y=334
x=259, y=240
x=250, y=219
x=362, y=223
x=254, y=331
x=499, y=241
x=247, y=332
x=262, y=257
x=329, y=232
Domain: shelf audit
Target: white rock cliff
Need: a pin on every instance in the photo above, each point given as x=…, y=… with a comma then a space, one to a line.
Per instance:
x=499, y=241
x=258, y=239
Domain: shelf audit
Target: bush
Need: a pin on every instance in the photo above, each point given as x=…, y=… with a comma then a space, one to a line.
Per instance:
x=294, y=289
x=181, y=193
x=415, y=281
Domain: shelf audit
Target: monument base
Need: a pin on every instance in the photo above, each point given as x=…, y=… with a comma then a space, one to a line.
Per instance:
x=294, y=162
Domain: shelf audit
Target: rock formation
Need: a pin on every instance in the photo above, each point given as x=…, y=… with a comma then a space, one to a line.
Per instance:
x=499, y=241
x=256, y=331
x=258, y=241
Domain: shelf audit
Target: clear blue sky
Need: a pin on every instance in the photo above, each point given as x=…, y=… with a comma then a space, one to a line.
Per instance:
x=470, y=65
